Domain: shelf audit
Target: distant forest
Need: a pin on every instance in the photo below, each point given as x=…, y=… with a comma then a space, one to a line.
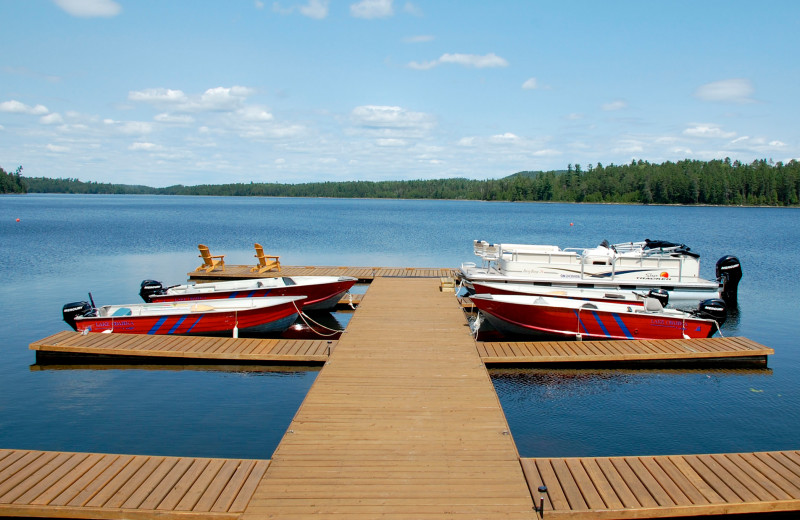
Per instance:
x=717, y=182
x=12, y=182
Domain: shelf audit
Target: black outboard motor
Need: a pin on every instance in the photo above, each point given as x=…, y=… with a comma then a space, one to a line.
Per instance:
x=714, y=309
x=71, y=310
x=729, y=272
x=661, y=295
x=150, y=287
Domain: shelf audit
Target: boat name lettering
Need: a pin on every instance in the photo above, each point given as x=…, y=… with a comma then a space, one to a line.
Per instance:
x=673, y=324
x=113, y=324
x=570, y=276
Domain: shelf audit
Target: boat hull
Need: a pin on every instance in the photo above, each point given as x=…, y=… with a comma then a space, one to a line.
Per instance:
x=185, y=318
x=322, y=293
x=589, y=323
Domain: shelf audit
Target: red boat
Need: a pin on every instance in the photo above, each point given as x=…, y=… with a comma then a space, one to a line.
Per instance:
x=566, y=318
x=321, y=292
x=273, y=314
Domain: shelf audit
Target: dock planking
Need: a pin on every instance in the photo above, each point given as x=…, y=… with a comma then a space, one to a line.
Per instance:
x=402, y=422
x=49, y=484
x=666, y=486
x=624, y=351
x=206, y=348
x=317, y=351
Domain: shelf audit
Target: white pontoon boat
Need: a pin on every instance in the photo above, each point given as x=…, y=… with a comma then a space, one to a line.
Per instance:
x=629, y=266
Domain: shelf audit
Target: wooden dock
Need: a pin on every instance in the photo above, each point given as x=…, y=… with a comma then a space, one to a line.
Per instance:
x=623, y=351
x=241, y=350
x=364, y=274
x=49, y=484
x=401, y=422
x=674, y=485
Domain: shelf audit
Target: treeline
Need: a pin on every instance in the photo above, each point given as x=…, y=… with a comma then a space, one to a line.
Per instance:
x=12, y=182
x=717, y=182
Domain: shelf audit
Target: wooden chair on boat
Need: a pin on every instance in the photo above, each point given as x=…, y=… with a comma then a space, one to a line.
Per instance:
x=209, y=262
x=265, y=262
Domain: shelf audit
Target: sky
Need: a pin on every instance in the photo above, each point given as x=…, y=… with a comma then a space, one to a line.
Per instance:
x=193, y=92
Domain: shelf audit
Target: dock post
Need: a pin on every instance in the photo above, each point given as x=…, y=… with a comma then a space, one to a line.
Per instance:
x=540, y=509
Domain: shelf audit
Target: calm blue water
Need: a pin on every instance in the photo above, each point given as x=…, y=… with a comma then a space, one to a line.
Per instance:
x=67, y=245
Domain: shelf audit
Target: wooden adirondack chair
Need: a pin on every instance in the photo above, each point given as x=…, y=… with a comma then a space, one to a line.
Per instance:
x=209, y=262
x=265, y=262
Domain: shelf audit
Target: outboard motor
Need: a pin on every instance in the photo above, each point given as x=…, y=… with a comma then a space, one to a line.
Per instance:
x=661, y=295
x=714, y=309
x=150, y=287
x=729, y=272
x=71, y=310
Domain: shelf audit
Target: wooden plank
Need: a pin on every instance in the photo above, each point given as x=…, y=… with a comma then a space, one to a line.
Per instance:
x=621, y=351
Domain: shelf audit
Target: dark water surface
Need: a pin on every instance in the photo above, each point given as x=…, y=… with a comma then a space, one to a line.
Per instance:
x=66, y=245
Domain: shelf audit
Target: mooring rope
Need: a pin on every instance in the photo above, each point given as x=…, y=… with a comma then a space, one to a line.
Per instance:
x=304, y=317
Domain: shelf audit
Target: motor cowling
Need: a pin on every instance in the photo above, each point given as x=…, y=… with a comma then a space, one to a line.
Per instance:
x=714, y=309
x=71, y=310
x=729, y=272
x=149, y=288
x=661, y=295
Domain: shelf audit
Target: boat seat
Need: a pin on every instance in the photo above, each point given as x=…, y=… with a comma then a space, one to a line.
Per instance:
x=122, y=311
x=652, y=305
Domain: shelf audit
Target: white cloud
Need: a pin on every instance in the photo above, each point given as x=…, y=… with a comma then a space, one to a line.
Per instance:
x=504, y=138
x=467, y=60
x=51, y=119
x=372, y=9
x=129, y=127
x=253, y=113
x=144, y=147
x=389, y=117
x=166, y=117
x=90, y=8
x=158, y=95
x=16, y=107
x=259, y=4
x=530, y=84
x=614, y=105
x=317, y=9
x=390, y=142
x=217, y=99
x=708, y=131
x=412, y=9
x=629, y=146
x=57, y=148
x=738, y=90
x=422, y=38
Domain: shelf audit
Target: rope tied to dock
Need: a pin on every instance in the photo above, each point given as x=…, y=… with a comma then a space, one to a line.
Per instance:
x=306, y=318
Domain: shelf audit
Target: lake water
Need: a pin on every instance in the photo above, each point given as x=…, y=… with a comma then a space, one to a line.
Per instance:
x=67, y=245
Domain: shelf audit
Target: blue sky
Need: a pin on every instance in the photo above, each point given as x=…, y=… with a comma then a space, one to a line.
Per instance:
x=187, y=92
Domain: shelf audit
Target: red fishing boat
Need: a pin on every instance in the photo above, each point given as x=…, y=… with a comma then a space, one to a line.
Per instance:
x=321, y=292
x=273, y=314
x=566, y=318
